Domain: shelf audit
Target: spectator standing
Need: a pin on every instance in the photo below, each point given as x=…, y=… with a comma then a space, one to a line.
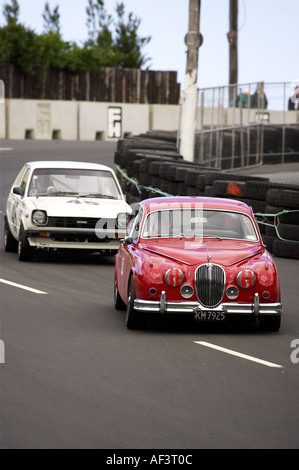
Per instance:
x=241, y=100
x=259, y=100
x=293, y=103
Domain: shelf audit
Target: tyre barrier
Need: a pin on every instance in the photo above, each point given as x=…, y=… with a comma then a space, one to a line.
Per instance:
x=149, y=166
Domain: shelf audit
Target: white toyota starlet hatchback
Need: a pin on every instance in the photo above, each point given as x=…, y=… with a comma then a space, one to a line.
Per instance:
x=64, y=205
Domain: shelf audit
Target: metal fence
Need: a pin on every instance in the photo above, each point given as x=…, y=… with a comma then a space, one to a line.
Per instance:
x=247, y=124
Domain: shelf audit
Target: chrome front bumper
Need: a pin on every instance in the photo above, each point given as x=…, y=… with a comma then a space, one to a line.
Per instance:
x=233, y=308
x=49, y=243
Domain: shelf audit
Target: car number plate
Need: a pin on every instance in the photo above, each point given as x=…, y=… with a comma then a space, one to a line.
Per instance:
x=207, y=315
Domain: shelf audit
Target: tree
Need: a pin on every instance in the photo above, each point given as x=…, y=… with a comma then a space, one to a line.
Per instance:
x=110, y=43
x=128, y=44
x=97, y=21
x=116, y=44
x=99, y=49
x=51, y=19
x=11, y=12
x=19, y=46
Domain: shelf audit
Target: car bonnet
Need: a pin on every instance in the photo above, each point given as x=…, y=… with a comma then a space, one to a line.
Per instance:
x=194, y=252
x=83, y=207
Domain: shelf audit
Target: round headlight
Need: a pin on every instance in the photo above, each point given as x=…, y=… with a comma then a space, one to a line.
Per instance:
x=187, y=291
x=39, y=217
x=232, y=292
x=174, y=277
x=246, y=278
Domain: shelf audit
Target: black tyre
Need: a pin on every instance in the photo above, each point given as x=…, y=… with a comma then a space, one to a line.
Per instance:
x=192, y=191
x=257, y=189
x=145, y=179
x=270, y=323
x=191, y=177
x=134, y=320
x=209, y=191
x=289, y=198
x=201, y=182
x=10, y=243
x=25, y=251
x=117, y=156
x=268, y=241
x=272, y=197
x=173, y=188
x=285, y=249
x=154, y=168
x=289, y=232
x=118, y=302
x=257, y=206
x=164, y=185
x=183, y=189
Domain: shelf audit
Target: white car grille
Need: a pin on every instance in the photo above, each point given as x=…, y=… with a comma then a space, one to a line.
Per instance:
x=88, y=223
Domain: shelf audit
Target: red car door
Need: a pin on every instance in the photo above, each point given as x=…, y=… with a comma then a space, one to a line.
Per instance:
x=126, y=261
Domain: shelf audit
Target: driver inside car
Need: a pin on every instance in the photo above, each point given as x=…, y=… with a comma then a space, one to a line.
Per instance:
x=42, y=185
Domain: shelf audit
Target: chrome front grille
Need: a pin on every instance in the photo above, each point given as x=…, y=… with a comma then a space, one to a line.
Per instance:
x=210, y=284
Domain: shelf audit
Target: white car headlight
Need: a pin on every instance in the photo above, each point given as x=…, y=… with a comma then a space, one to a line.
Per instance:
x=39, y=217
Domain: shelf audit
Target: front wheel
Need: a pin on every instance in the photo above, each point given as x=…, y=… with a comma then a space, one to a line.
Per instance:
x=134, y=320
x=25, y=251
x=10, y=243
x=118, y=302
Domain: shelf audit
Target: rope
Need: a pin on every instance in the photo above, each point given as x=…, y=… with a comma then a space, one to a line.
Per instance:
x=276, y=216
x=138, y=185
x=276, y=222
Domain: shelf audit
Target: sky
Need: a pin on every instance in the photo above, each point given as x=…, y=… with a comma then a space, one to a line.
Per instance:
x=268, y=35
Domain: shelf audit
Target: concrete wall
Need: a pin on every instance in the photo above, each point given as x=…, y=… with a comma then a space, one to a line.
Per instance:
x=2, y=109
x=81, y=120
x=72, y=120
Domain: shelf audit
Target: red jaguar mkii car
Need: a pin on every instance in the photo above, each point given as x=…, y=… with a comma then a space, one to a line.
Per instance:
x=198, y=256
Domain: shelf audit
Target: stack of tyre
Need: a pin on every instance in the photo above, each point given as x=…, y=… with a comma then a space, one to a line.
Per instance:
x=149, y=166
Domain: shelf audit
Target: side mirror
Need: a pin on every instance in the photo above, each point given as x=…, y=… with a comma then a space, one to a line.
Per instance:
x=128, y=240
x=18, y=191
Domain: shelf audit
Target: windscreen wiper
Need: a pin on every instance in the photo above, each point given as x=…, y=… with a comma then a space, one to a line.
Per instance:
x=98, y=196
x=60, y=193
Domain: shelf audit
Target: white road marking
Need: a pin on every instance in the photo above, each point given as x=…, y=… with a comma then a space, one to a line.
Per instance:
x=20, y=286
x=235, y=353
x=4, y=149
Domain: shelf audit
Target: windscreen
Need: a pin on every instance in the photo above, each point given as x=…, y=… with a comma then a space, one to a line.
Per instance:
x=199, y=223
x=83, y=183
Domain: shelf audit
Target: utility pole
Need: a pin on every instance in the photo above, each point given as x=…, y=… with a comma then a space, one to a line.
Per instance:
x=193, y=41
x=232, y=37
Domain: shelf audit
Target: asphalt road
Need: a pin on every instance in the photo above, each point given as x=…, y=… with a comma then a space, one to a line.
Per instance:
x=75, y=377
